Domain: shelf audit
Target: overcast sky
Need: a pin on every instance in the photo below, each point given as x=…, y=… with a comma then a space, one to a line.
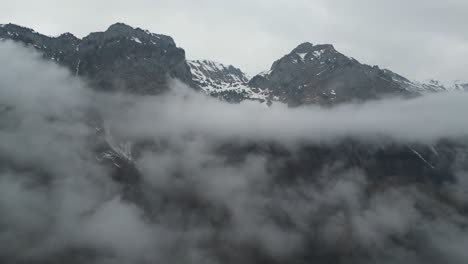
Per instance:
x=419, y=39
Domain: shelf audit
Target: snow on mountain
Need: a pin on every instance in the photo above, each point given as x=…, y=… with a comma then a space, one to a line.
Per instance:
x=432, y=85
x=135, y=59
x=225, y=81
x=460, y=85
x=319, y=74
x=140, y=62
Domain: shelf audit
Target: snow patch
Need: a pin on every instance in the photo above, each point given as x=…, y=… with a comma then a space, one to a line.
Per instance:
x=203, y=72
x=77, y=70
x=265, y=73
x=302, y=55
x=422, y=158
x=137, y=40
x=318, y=53
x=320, y=73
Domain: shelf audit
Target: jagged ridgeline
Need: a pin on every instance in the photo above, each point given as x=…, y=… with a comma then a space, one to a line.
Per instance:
x=121, y=58
x=174, y=176
x=129, y=59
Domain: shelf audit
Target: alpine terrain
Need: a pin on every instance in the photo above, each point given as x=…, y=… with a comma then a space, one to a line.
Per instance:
x=115, y=148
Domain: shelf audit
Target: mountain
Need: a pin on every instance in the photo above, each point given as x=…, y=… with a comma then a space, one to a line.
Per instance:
x=224, y=81
x=312, y=74
x=432, y=85
x=136, y=181
x=320, y=74
x=121, y=58
x=128, y=59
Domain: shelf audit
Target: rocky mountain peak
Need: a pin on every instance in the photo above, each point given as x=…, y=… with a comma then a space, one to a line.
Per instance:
x=16, y=28
x=320, y=74
x=68, y=35
x=307, y=47
x=121, y=58
x=135, y=60
x=120, y=28
x=16, y=32
x=307, y=56
x=121, y=31
x=304, y=47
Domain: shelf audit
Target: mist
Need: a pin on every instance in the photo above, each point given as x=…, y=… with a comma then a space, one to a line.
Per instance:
x=160, y=187
x=425, y=119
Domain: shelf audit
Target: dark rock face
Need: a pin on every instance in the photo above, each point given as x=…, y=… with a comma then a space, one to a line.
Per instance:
x=133, y=60
x=120, y=59
x=320, y=74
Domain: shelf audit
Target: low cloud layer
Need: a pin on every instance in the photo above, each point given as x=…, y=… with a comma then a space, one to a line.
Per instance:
x=171, y=193
x=425, y=119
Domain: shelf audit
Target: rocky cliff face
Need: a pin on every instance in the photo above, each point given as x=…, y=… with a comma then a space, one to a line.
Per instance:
x=121, y=58
x=313, y=74
x=133, y=60
x=320, y=74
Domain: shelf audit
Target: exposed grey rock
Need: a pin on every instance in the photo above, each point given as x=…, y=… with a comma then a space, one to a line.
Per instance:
x=320, y=74
x=312, y=74
x=216, y=75
x=121, y=58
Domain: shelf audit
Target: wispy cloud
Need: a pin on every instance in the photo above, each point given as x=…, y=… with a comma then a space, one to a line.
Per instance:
x=194, y=204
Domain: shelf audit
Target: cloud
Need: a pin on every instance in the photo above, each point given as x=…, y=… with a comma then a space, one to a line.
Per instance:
x=199, y=195
x=425, y=119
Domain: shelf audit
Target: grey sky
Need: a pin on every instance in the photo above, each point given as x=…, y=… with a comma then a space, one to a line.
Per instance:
x=419, y=39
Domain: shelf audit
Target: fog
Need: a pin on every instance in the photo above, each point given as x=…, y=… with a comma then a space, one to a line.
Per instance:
x=185, y=202
x=425, y=119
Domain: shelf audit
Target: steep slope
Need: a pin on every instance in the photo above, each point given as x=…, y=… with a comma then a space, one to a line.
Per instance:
x=213, y=75
x=320, y=74
x=432, y=85
x=223, y=81
x=121, y=58
x=312, y=74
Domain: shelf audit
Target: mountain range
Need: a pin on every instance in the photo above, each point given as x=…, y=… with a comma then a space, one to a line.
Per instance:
x=138, y=61
x=138, y=173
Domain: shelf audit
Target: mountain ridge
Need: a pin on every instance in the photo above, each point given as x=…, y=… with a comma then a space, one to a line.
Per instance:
x=135, y=60
x=181, y=178
x=121, y=58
